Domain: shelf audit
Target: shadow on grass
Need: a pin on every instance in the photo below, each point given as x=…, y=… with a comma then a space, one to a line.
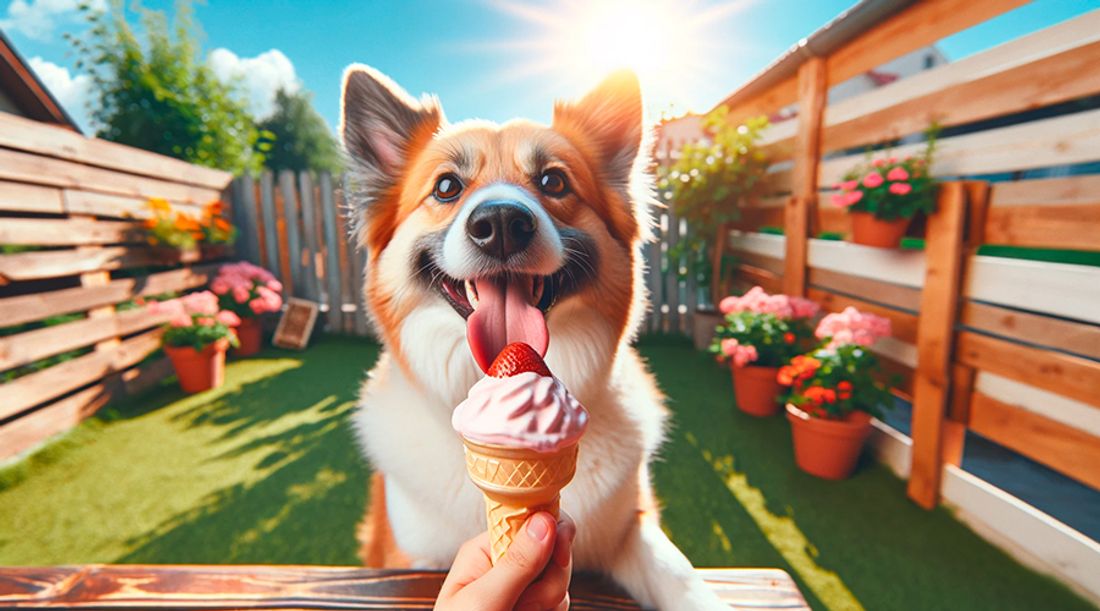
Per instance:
x=310, y=488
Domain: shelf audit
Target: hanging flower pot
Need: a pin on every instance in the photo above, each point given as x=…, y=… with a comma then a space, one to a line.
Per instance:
x=251, y=336
x=756, y=389
x=869, y=230
x=828, y=448
x=199, y=370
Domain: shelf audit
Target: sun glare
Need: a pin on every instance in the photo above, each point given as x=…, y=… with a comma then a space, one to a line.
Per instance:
x=669, y=44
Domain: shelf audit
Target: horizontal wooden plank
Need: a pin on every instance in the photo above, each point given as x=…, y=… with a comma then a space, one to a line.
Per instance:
x=41, y=386
x=904, y=267
x=1063, y=448
x=1064, y=191
x=24, y=434
x=69, y=232
x=1063, y=140
x=766, y=102
x=1065, y=227
x=755, y=276
x=35, y=265
x=763, y=244
x=886, y=293
x=120, y=206
x=1061, y=289
x=36, y=306
x=1079, y=338
x=23, y=348
x=22, y=197
x=1059, y=408
x=903, y=323
x=770, y=264
x=316, y=587
x=28, y=167
x=36, y=137
x=1046, y=68
x=1071, y=376
x=919, y=25
x=830, y=219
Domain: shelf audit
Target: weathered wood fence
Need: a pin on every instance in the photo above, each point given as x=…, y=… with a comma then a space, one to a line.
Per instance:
x=1006, y=348
x=73, y=261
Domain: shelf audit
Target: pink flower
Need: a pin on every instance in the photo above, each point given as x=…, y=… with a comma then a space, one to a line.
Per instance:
x=205, y=321
x=275, y=285
x=897, y=173
x=852, y=327
x=839, y=199
x=180, y=320
x=843, y=200
x=228, y=318
x=742, y=355
x=878, y=163
x=891, y=160
x=257, y=306
x=728, y=305
x=900, y=188
x=803, y=308
x=241, y=293
x=872, y=180
x=220, y=286
x=849, y=185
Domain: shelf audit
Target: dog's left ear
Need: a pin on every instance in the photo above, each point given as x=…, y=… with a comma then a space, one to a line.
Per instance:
x=383, y=126
x=610, y=118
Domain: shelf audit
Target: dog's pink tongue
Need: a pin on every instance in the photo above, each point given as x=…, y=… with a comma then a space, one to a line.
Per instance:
x=504, y=315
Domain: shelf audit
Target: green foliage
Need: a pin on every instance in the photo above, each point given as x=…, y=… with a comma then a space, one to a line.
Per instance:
x=835, y=382
x=776, y=340
x=203, y=331
x=159, y=95
x=709, y=181
x=299, y=139
x=890, y=188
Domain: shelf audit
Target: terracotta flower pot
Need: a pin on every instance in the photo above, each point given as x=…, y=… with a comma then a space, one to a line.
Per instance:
x=199, y=370
x=250, y=334
x=871, y=231
x=756, y=389
x=828, y=448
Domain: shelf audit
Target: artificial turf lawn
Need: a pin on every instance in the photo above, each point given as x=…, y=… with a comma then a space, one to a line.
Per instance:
x=264, y=470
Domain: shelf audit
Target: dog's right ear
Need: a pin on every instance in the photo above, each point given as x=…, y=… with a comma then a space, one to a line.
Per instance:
x=382, y=127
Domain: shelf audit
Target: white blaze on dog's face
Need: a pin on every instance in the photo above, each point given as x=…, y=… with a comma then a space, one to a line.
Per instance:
x=480, y=235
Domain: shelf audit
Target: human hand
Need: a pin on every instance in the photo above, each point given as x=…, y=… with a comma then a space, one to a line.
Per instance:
x=533, y=575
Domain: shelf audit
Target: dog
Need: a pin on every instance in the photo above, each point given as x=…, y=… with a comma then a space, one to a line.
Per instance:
x=542, y=225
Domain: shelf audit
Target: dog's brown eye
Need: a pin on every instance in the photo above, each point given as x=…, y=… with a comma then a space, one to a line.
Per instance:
x=553, y=183
x=447, y=188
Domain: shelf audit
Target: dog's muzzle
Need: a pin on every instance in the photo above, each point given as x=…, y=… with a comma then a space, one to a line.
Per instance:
x=501, y=228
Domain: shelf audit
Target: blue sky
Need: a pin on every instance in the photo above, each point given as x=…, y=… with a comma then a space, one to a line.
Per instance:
x=489, y=58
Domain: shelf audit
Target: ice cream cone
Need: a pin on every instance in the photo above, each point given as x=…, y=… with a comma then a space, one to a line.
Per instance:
x=517, y=482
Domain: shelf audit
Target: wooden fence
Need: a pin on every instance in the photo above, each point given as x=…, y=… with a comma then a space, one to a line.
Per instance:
x=1006, y=348
x=73, y=250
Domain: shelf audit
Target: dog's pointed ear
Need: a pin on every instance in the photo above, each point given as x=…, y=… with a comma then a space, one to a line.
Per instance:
x=383, y=126
x=610, y=118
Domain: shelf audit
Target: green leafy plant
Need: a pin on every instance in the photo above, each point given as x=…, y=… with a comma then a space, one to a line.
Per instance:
x=890, y=188
x=196, y=320
x=762, y=329
x=299, y=138
x=707, y=184
x=159, y=94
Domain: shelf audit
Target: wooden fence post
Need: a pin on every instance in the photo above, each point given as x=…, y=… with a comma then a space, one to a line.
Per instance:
x=813, y=89
x=944, y=255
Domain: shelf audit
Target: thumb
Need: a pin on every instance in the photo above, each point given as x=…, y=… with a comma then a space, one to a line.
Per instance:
x=521, y=564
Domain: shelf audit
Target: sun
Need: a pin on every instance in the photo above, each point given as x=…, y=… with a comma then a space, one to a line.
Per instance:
x=669, y=44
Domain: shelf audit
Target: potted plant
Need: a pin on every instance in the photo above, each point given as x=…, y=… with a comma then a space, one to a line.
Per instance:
x=218, y=234
x=762, y=333
x=249, y=291
x=834, y=393
x=174, y=235
x=883, y=195
x=705, y=187
x=196, y=337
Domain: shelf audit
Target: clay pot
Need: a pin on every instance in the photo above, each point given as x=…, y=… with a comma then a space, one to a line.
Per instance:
x=828, y=449
x=199, y=370
x=870, y=231
x=250, y=334
x=756, y=389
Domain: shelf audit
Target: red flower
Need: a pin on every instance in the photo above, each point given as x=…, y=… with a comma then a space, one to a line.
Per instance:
x=786, y=375
x=844, y=389
x=788, y=337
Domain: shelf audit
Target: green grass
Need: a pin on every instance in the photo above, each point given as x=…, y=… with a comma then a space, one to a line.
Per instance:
x=265, y=470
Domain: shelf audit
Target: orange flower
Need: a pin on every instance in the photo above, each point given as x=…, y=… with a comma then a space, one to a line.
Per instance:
x=159, y=205
x=786, y=375
x=222, y=224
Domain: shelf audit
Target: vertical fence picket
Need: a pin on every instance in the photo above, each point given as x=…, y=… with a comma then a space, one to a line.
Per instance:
x=343, y=245
x=691, y=295
x=672, y=271
x=332, y=255
x=653, y=279
x=293, y=231
x=310, y=270
x=271, y=229
x=244, y=211
x=256, y=195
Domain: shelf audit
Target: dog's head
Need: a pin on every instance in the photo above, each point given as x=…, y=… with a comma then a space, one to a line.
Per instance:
x=479, y=235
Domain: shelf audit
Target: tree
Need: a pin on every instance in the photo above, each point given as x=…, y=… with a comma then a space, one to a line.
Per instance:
x=159, y=95
x=301, y=139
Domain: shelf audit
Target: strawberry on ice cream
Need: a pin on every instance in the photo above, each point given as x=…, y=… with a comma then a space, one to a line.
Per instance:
x=519, y=403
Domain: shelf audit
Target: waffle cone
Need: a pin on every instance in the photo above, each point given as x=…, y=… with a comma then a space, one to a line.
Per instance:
x=517, y=482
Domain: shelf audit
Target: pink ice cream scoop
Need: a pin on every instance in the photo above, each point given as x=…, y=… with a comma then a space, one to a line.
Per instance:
x=520, y=404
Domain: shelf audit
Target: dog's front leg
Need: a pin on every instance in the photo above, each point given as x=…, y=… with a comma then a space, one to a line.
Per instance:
x=658, y=575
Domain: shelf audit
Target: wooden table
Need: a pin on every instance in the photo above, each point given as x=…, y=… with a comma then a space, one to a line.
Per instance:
x=310, y=587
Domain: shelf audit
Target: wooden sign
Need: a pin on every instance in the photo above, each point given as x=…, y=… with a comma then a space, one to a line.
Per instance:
x=296, y=325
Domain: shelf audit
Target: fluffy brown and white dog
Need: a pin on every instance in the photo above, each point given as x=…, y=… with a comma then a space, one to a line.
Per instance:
x=479, y=235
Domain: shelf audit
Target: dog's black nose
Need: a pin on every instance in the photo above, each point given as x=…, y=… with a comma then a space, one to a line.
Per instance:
x=501, y=229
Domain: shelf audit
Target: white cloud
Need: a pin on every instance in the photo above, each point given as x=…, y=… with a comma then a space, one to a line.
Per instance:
x=71, y=90
x=37, y=19
x=260, y=77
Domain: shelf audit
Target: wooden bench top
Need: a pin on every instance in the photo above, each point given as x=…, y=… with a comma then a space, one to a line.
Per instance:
x=310, y=587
